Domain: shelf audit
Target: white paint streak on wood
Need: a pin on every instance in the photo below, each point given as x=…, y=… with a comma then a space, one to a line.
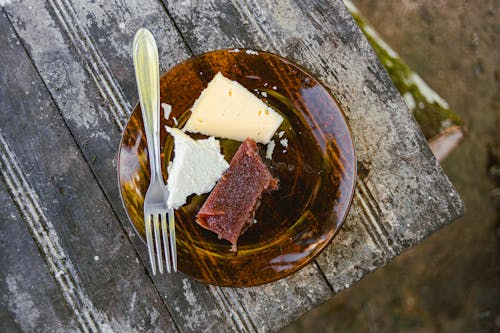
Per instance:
x=94, y=63
x=194, y=315
x=67, y=79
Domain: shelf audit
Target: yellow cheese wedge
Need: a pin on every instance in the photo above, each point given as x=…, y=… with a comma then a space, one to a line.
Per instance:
x=226, y=109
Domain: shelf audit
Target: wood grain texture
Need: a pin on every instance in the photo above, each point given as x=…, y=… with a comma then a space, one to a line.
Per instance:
x=81, y=50
x=80, y=92
x=77, y=234
x=30, y=299
x=7, y=323
x=87, y=109
x=402, y=195
x=191, y=312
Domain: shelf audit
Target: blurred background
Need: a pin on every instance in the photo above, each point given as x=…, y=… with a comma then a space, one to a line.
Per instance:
x=450, y=282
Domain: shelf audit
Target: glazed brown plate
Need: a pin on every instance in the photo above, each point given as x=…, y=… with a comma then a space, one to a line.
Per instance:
x=316, y=170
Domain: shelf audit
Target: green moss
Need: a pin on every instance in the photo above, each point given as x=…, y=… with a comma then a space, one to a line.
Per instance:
x=431, y=117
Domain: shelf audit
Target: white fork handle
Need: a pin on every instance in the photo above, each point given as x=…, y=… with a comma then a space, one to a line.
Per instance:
x=147, y=76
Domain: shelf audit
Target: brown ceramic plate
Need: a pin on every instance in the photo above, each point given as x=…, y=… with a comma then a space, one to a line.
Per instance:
x=316, y=171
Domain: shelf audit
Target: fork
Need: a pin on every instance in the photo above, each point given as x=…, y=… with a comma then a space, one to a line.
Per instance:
x=156, y=209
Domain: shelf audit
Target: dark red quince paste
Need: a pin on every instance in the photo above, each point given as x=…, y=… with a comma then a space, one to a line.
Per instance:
x=230, y=209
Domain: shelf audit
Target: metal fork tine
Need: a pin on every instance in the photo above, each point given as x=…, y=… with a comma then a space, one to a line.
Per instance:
x=156, y=223
x=164, y=232
x=149, y=237
x=173, y=247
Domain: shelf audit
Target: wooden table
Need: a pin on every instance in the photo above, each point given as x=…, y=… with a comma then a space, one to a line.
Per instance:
x=70, y=260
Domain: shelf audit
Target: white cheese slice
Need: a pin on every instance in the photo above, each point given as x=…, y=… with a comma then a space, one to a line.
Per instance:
x=226, y=109
x=197, y=166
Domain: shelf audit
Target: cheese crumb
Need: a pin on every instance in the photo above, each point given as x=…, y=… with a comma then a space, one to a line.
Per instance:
x=252, y=52
x=270, y=150
x=175, y=121
x=263, y=93
x=166, y=110
x=280, y=134
x=284, y=142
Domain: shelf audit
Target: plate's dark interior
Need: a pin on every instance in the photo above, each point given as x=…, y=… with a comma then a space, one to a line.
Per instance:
x=316, y=170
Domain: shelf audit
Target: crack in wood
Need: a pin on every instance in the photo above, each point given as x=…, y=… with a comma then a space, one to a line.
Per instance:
x=373, y=208
x=246, y=15
x=46, y=238
x=231, y=295
x=237, y=316
x=369, y=213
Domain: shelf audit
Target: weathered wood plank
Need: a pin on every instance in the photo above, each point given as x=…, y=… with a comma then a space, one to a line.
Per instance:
x=87, y=253
x=193, y=306
x=29, y=298
x=7, y=323
x=66, y=58
x=263, y=315
x=402, y=194
x=272, y=306
x=85, y=70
